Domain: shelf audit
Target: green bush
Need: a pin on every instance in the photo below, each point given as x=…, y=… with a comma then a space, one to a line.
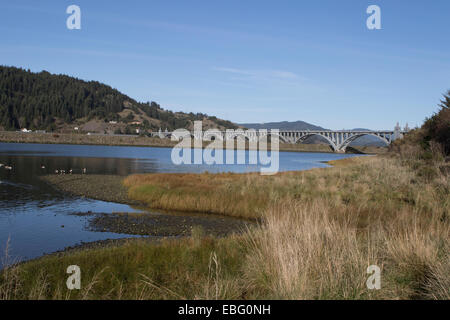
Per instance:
x=437, y=128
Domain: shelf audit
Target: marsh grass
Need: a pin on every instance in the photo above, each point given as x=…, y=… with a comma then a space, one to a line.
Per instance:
x=364, y=184
x=318, y=232
x=9, y=277
x=136, y=270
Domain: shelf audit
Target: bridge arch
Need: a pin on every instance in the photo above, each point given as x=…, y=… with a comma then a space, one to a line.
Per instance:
x=272, y=134
x=212, y=135
x=308, y=135
x=337, y=140
x=352, y=138
x=237, y=135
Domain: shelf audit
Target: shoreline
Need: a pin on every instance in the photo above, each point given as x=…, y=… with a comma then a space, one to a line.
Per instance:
x=110, y=188
x=114, y=222
x=107, y=188
x=333, y=215
x=152, y=142
x=162, y=225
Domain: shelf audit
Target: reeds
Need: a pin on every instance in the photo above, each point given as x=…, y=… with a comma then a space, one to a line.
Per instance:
x=318, y=232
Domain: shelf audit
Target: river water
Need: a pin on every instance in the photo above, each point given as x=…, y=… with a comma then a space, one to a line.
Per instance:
x=36, y=219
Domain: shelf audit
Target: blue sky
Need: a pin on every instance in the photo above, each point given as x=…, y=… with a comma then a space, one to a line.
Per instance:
x=247, y=61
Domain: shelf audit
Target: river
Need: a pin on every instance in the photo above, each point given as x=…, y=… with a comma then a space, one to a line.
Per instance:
x=36, y=219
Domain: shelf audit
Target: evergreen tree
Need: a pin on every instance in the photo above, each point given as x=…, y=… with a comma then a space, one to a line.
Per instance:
x=37, y=100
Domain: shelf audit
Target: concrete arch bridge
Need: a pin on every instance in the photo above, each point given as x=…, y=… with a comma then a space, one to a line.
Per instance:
x=338, y=140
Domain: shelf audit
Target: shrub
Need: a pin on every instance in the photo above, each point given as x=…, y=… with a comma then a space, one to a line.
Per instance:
x=437, y=128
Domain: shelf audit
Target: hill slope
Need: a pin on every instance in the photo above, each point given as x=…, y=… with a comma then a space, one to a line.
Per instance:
x=59, y=102
x=283, y=125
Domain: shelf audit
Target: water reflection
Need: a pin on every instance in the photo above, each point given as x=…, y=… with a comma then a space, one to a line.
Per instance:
x=37, y=218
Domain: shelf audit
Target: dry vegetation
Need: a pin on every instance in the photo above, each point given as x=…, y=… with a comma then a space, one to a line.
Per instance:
x=319, y=232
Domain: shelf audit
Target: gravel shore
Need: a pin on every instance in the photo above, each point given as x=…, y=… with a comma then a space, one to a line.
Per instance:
x=99, y=187
x=110, y=188
x=164, y=225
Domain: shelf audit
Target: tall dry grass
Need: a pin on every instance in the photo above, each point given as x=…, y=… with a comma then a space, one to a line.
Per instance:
x=209, y=193
x=302, y=252
x=363, y=182
x=377, y=212
x=322, y=228
x=9, y=277
x=314, y=251
x=318, y=232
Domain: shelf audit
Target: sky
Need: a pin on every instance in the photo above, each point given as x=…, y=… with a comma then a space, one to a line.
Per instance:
x=247, y=61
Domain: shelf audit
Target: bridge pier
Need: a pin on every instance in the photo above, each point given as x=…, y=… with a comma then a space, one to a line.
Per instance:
x=338, y=140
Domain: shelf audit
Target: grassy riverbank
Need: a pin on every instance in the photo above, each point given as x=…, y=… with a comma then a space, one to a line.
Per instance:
x=84, y=139
x=142, y=141
x=110, y=188
x=320, y=231
x=246, y=195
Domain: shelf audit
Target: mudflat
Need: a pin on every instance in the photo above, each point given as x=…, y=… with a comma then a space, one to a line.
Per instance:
x=95, y=186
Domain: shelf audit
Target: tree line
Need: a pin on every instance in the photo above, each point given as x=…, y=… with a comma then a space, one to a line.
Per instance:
x=40, y=100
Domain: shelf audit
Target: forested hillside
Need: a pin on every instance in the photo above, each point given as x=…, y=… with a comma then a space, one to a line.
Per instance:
x=58, y=102
x=284, y=125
